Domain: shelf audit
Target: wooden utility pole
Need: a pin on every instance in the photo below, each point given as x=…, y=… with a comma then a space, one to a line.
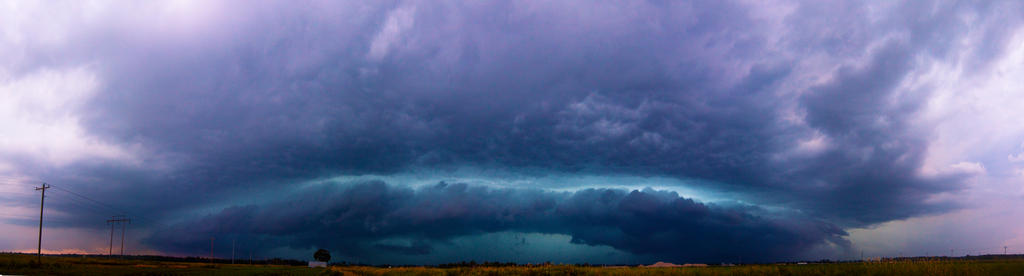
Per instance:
x=42, y=199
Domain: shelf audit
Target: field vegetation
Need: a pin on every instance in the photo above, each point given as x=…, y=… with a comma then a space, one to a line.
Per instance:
x=23, y=264
x=86, y=265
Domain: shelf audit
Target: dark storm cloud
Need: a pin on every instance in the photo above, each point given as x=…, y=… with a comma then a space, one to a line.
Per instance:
x=359, y=217
x=871, y=171
x=613, y=94
x=280, y=93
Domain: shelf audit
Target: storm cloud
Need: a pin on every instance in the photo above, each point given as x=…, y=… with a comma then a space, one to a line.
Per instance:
x=802, y=119
x=356, y=217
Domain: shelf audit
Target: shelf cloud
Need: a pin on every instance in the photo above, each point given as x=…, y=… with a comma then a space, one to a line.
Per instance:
x=805, y=120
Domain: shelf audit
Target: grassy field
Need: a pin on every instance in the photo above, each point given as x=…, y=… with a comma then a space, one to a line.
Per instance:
x=1014, y=267
x=20, y=264
x=23, y=264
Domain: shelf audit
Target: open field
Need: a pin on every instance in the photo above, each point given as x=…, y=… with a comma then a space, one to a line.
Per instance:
x=54, y=265
x=22, y=264
x=1013, y=267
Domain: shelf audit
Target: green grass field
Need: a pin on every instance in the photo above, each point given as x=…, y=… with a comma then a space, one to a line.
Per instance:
x=52, y=265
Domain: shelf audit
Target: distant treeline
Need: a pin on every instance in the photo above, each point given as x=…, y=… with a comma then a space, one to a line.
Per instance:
x=274, y=261
x=916, y=258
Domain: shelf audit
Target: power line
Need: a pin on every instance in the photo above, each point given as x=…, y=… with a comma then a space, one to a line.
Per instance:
x=104, y=205
x=90, y=199
x=86, y=205
x=112, y=208
x=78, y=205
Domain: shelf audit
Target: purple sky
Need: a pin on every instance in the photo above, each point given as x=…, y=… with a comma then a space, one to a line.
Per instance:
x=565, y=131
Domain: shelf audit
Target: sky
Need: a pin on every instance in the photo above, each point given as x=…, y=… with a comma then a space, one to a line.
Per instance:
x=426, y=132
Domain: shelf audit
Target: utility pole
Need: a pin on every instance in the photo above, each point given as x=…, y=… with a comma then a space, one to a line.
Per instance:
x=1004, y=250
x=110, y=250
x=113, y=221
x=42, y=198
x=250, y=256
x=211, y=250
x=232, y=251
x=124, y=228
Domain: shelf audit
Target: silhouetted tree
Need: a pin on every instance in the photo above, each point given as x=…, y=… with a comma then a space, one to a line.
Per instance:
x=322, y=255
